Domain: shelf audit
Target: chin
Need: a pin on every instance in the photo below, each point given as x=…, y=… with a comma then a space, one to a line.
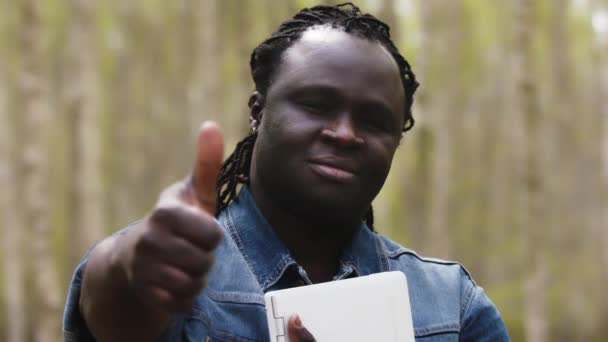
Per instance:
x=337, y=207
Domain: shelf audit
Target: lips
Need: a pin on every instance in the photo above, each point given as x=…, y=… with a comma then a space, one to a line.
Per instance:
x=333, y=168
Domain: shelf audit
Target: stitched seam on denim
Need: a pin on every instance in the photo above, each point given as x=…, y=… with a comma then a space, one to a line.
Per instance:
x=199, y=315
x=425, y=335
x=234, y=297
x=449, y=327
x=349, y=261
x=349, y=268
x=237, y=241
x=384, y=266
x=469, y=296
x=278, y=272
x=69, y=335
x=400, y=252
x=225, y=336
x=384, y=251
x=403, y=251
x=77, y=276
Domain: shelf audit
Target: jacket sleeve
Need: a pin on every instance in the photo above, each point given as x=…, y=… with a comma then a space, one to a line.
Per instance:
x=482, y=321
x=74, y=326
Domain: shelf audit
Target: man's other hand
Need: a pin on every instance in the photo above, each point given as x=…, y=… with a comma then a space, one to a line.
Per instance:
x=297, y=332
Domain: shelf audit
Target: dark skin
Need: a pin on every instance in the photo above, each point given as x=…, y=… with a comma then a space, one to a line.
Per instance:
x=329, y=126
x=134, y=283
x=326, y=140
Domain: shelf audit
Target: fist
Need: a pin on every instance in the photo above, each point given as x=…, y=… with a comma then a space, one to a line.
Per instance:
x=167, y=256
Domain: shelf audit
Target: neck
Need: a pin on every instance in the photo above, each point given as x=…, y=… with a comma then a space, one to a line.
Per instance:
x=314, y=242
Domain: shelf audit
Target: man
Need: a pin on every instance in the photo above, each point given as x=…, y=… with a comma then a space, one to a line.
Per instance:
x=333, y=97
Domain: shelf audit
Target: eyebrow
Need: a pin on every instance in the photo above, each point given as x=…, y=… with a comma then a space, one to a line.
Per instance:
x=328, y=90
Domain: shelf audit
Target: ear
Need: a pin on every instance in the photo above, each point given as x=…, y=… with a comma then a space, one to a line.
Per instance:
x=256, y=106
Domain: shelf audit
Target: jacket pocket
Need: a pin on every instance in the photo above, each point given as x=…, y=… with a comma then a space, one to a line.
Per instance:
x=438, y=332
x=440, y=337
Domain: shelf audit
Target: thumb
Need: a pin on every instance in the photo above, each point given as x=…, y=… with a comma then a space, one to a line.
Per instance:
x=297, y=332
x=209, y=157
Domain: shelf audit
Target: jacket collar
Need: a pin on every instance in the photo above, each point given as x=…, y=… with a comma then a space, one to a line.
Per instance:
x=268, y=257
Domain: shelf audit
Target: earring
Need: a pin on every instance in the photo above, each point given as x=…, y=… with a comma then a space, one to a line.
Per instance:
x=254, y=126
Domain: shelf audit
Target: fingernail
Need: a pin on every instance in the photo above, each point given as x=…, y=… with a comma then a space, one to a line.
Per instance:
x=207, y=123
x=298, y=322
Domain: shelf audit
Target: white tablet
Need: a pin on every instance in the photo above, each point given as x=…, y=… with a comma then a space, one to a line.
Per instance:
x=369, y=308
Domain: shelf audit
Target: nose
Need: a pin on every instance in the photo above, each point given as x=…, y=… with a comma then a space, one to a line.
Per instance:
x=342, y=131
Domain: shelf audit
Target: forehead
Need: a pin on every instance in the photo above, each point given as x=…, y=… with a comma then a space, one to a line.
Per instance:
x=330, y=56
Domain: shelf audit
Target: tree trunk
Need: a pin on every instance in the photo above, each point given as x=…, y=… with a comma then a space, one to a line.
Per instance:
x=204, y=93
x=244, y=86
x=602, y=50
x=82, y=101
x=497, y=145
x=415, y=188
x=440, y=78
x=533, y=224
x=12, y=235
x=36, y=116
x=388, y=14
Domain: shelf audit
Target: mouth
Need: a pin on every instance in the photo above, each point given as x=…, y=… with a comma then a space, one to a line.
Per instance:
x=333, y=169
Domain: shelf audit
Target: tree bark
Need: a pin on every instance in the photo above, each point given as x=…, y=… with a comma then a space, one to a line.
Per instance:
x=531, y=185
x=36, y=115
x=204, y=93
x=12, y=236
x=81, y=95
x=602, y=48
x=440, y=78
x=388, y=13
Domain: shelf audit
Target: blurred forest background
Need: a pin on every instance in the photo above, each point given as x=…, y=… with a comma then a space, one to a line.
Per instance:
x=505, y=171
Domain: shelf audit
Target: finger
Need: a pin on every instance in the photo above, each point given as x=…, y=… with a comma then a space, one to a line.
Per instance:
x=154, y=297
x=209, y=157
x=189, y=223
x=160, y=299
x=297, y=332
x=176, y=251
x=186, y=256
x=173, y=280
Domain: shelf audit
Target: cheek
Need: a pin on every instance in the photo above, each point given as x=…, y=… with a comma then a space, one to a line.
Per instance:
x=288, y=126
x=382, y=154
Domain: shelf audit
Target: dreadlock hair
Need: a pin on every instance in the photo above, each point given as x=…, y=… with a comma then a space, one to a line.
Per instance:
x=266, y=58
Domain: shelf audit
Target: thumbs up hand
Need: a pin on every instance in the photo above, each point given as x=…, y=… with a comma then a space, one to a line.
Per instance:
x=166, y=258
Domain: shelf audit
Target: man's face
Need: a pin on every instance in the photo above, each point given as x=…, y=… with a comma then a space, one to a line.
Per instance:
x=329, y=127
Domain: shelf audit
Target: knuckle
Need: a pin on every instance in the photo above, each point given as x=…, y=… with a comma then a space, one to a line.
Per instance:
x=174, y=276
x=153, y=296
x=163, y=215
x=214, y=233
x=146, y=243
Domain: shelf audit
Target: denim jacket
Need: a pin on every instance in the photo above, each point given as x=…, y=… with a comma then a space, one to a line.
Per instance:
x=446, y=303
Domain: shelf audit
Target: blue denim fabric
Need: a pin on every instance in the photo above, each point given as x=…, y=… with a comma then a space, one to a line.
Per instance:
x=446, y=304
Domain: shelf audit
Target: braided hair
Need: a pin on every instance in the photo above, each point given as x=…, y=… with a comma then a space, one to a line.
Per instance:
x=266, y=58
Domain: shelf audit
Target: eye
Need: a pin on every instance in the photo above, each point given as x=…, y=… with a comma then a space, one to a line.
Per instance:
x=373, y=122
x=376, y=121
x=314, y=99
x=315, y=106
